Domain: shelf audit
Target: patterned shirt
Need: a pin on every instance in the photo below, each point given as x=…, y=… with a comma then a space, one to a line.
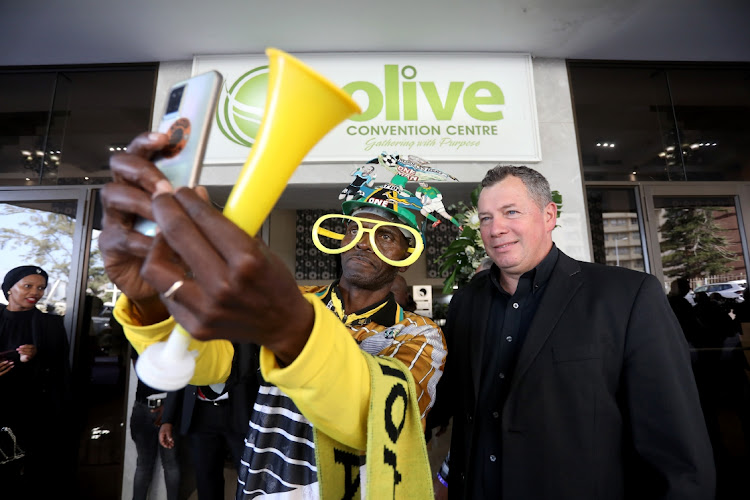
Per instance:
x=279, y=456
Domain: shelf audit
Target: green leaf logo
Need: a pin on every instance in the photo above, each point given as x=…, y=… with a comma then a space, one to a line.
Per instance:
x=241, y=106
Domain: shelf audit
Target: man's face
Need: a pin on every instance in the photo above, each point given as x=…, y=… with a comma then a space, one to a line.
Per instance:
x=515, y=231
x=361, y=266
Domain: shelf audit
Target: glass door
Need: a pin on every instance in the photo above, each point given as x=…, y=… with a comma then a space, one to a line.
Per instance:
x=698, y=248
x=56, y=229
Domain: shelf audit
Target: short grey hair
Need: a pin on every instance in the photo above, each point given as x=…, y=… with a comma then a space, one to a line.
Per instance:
x=536, y=184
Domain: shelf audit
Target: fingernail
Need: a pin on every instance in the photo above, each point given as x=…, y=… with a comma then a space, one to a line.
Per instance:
x=163, y=186
x=153, y=136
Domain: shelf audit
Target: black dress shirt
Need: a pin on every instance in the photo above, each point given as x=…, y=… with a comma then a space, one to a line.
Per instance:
x=508, y=321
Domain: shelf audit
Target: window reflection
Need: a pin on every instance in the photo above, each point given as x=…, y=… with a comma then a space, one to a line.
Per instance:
x=615, y=230
x=40, y=233
x=60, y=126
x=646, y=122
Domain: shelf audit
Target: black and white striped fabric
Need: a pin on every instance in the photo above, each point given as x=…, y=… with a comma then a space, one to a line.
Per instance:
x=279, y=456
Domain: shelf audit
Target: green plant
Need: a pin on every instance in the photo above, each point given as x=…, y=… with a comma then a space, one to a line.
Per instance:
x=465, y=253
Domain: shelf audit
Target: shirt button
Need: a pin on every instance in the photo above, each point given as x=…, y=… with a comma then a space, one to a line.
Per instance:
x=493, y=458
x=509, y=338
x=501, y=375
x=495, y=414
x=515, y=305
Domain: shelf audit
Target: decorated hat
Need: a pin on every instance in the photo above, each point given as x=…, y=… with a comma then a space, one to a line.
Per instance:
x=399, y=205
x=393, y=200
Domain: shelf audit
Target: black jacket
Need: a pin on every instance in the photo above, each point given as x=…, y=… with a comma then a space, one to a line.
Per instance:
x=51, y=379
x=242, y=386
x=602, y=404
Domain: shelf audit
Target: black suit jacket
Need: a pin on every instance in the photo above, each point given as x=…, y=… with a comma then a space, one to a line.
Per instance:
x=242, y=385
x=602, y=404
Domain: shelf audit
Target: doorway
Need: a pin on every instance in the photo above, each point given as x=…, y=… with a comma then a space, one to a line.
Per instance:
x=57, y=230
x=693, y=238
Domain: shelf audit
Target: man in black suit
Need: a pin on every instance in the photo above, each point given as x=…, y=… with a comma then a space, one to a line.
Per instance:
x=214, y=421
x=566, y=380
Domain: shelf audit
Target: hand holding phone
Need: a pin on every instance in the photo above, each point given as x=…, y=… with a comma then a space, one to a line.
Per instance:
x=11, y=355
x=187, y=122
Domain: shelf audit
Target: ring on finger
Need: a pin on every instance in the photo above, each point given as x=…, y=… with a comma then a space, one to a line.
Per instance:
x=173, y=289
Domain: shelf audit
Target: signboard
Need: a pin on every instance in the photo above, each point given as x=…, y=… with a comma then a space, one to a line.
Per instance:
x=442, y=107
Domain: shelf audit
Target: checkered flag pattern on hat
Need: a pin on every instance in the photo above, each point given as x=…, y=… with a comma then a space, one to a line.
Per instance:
x=389, y=159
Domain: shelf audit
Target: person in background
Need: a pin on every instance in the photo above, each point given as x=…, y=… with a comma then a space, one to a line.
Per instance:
x=145, y=422
x=742, y=310
x=683, y=311
x=400, y=291
x=35, y=385
x=566, y=380
x=328, y=353
x=212, y=421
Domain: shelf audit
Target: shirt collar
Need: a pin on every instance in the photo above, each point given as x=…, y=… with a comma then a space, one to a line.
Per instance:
x=539, y=275
x=386, y=312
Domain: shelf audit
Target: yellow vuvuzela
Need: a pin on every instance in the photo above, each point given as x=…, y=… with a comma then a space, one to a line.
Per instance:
x=301, y=107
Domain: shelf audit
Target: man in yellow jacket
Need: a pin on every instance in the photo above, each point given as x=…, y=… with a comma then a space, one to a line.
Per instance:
x=345, y=360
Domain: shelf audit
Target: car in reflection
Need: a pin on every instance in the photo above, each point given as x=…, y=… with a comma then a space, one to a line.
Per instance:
x=100, y=322
x=731, y=291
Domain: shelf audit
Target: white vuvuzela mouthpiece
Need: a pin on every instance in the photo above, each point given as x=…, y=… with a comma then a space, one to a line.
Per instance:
x=167, y=366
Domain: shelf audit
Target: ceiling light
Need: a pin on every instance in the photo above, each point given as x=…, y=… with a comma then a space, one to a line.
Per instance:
x=612, y=145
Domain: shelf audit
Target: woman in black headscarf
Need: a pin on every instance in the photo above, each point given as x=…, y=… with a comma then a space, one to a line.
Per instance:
x=34, y=373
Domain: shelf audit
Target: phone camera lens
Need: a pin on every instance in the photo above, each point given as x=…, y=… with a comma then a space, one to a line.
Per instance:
x=175, y=97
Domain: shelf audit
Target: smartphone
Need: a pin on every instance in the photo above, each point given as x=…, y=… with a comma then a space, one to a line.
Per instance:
x=187, y=120
x=9, y=355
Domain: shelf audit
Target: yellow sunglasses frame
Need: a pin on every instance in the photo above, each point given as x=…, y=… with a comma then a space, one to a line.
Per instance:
x=317, y=231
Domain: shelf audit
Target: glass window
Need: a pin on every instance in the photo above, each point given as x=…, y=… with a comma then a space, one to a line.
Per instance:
x=60, y=126
x=24, y=114
x=624, y=119
x=658, y=122
x=40, y=234
x=614, y=241
x=711, y=107
x=699, y=239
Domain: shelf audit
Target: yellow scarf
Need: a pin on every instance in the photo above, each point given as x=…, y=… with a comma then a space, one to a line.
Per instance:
x=397, y=462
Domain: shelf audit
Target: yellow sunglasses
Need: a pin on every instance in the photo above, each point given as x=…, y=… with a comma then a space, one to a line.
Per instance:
x=330, y=231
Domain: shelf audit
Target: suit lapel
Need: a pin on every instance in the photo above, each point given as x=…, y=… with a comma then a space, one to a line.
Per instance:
x=563, y=284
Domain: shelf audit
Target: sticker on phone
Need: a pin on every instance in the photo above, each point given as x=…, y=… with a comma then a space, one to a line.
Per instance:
x=178, y=135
